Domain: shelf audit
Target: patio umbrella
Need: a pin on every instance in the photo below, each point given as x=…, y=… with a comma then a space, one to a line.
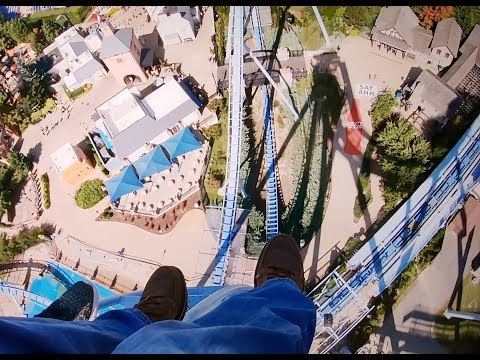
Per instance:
x=181, y=143
x=123, y=183
x=151, y=163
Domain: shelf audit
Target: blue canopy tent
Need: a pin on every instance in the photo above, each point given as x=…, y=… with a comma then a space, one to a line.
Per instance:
x=181, y=143
x=123, y=183
x=151, y=163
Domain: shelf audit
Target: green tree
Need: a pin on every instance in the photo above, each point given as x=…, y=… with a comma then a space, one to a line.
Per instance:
x=90, y=193
x=467, y=17
x=17, y=30
x=16, y=117
x=402, y=156
x=20, y=164
x=17, y=244
x=382, y=108
x=213, y=132
x=256, y=226
x=51, y=30
x=360, y=16
x=3, y=96
x=6, y=42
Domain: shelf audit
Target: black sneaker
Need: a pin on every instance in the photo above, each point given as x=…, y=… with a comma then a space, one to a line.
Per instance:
x=78, y=303
x=165, y=295
x=280, y=258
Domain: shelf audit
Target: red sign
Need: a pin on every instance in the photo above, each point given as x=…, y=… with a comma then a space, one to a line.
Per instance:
x=354, y=130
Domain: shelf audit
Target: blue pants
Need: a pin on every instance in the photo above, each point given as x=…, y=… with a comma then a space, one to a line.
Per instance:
x=274, y=318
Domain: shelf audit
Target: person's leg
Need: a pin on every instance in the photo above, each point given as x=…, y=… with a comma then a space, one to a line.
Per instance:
x=275, y=317
x=164, y=298
x=47, y=335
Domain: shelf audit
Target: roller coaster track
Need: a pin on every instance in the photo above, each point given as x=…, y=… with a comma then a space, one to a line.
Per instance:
x=382, y=259
x=235, y=117
x=272, y=191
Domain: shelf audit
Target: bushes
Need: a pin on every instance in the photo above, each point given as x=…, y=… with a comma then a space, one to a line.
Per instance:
x=46, y=190
x=75, y=93
x=100, y=164
x=107, y=213
x=91, y=192
x=17, y=244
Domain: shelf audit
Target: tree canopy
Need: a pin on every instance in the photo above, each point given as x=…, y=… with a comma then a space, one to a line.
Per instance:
x=20, y=164
x=430, y=15
x=256, y=225
x=51, y=29
x=360, y=16
x=382, y=108
x=17, y=30
x=402, y=156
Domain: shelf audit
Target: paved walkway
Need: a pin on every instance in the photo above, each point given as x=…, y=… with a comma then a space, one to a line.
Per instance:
x=356, y=61
x=194, y=55
x=409, y=328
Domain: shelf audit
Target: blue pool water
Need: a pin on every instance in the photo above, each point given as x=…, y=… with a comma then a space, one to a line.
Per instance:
x=55, y=282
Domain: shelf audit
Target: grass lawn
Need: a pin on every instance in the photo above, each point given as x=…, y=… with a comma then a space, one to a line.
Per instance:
x=461, y=336
x=76, y=14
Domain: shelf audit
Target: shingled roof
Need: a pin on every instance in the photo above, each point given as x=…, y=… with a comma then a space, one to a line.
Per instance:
x=448, y=33
x=405, y=22
x=117, y=44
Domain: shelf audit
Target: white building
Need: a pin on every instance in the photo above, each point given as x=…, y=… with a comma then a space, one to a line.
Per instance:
x=175, y=24
x=73, y=61
x=126, y=126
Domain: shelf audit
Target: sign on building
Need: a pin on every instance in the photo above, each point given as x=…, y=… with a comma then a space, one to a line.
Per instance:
x=366, y=90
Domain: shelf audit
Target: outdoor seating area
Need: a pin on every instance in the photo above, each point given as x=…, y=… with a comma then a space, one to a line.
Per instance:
x=165, y=189
x=167, y=220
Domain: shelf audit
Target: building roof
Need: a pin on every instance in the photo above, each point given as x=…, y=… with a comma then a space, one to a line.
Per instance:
x=78, y=47
x=123, y=183
x=117, y=44
x=437, y=93
x=166, y=99
x=131, y=122
x=473, y=39
x=87, y=70
x=64, y=157
x=461, y=67
x=152, y=163
x=448, y=33
x=181, y=143
x=120, y=112
x=405, y=22
x=389, y=40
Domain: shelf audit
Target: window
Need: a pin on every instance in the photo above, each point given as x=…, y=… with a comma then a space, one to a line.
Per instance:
x=119, y=60
x=447, y=55
x=439, y=51
x=176, y=129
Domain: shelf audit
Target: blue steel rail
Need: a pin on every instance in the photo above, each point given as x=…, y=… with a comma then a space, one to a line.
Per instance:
x=272, y=195
x=235, y=117
x=397, y=243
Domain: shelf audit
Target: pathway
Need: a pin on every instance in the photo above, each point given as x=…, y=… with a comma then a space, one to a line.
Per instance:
x=356, y=61
x=194, y=55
